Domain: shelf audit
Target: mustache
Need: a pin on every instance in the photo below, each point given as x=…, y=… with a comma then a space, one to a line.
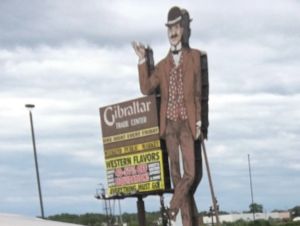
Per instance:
x=174, y=36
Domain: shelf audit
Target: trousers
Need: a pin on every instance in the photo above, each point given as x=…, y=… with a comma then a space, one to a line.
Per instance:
x=198, y=177
x=178, y=134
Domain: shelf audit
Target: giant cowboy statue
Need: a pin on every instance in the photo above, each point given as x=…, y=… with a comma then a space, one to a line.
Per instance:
x=180, y=80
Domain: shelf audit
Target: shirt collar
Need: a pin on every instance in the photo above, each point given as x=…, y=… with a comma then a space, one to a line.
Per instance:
x=175, y=49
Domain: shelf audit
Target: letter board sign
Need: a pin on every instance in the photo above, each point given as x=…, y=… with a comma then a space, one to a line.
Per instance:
x=132, y=147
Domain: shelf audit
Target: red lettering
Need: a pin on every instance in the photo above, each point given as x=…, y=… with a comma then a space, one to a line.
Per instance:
x=119, y=172
x=142, y=168
x=130, y=170
x=132, y=179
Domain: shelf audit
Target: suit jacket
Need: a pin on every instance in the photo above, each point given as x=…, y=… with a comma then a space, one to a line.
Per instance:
x=191, y=86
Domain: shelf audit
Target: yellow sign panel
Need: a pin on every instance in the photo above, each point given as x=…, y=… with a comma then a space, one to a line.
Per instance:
x=135, y=173
x=132, y=148
x=131, y=135
x=133, y=152
x=132, y=189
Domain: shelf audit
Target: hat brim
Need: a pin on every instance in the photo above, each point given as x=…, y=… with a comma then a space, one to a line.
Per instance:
x=173, y=22
x=170, y=23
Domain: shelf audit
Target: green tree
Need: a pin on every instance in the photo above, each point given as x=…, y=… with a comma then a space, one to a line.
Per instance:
x=295, y=212
x=256, y=208
x=259, y=223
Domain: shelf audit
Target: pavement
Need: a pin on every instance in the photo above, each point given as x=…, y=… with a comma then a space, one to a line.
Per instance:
x=7, y=219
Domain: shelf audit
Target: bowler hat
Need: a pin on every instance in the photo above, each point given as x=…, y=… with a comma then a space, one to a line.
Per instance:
x=174, y=16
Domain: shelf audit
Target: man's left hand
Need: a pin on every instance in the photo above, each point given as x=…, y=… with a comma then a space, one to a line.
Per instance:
x=198, y=130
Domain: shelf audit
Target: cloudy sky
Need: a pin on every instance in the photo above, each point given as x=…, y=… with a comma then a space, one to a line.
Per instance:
x=71, y=57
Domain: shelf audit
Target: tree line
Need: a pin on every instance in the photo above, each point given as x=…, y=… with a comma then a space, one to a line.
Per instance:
x=93, y=219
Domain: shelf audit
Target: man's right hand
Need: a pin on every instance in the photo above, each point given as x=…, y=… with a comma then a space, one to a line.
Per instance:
x=139, y=49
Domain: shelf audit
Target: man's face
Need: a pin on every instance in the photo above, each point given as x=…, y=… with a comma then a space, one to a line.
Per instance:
x=175, y=33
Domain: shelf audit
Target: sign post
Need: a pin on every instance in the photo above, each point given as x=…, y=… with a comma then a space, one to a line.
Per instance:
x=135, y=158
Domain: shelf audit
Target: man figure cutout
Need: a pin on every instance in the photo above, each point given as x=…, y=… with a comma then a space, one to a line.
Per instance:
x=178, y=77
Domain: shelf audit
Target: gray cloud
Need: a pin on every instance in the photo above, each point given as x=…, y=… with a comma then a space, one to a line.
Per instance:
x=57, y=23
x=71, y=58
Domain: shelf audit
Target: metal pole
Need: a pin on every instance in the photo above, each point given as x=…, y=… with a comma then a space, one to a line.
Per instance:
x=212, y=217
x=141, y=211
x=110, y=214
x=120, y=214
x=106, y=212
x=214, y=200
x=103, y=196
x=36, y=160
x=252, y=199
x=211, y=214
x=162, y=210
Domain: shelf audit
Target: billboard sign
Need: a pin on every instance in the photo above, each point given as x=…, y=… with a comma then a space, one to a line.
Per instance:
x=132, y=147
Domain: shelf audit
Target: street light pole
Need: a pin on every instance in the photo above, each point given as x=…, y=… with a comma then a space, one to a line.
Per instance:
x=29, y=107
x=251, y=188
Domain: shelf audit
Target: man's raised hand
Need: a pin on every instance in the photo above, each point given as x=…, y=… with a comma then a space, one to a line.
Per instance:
x=139, y=49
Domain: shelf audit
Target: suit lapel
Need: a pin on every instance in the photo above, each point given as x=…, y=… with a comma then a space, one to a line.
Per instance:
x=167, y=71
x=186, y=69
